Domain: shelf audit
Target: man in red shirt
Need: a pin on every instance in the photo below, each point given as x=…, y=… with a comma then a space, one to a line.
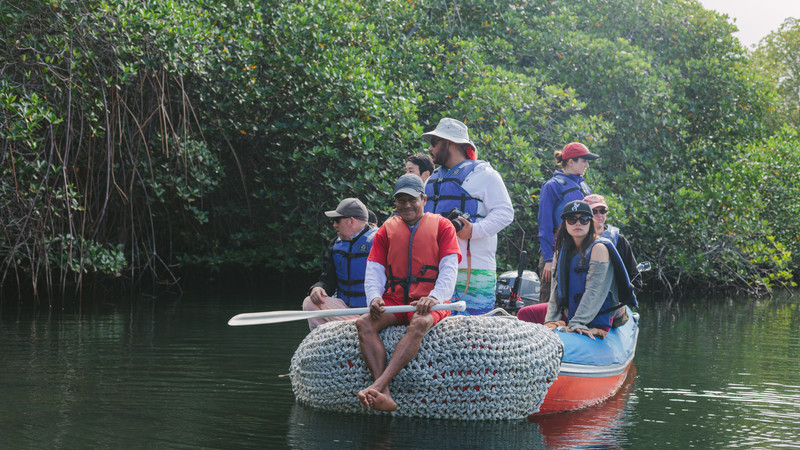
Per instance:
x=429, y=241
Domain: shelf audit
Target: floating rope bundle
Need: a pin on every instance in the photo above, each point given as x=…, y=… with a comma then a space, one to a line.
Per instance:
x=468, y=367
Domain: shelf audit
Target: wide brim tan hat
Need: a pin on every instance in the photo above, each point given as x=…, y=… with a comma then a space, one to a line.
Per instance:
x=454, y=131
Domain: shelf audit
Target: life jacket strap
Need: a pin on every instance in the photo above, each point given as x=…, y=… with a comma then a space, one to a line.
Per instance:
x=613, y=308
x=393, y=281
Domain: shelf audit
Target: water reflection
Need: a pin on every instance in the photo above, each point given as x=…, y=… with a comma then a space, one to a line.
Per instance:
x=593, y=427
x=588, y=428
x=720, y=374
x=173, y=374
x=312, y=428
x=755, y=414
x=168, y=374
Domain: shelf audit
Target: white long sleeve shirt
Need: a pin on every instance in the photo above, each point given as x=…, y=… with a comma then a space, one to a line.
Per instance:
x=486, y=184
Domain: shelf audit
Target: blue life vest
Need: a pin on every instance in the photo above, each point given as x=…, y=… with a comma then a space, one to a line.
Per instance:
x=568, y=186
x=611, y=233
x=444, y=190
x=570, y=292
x=350, y=260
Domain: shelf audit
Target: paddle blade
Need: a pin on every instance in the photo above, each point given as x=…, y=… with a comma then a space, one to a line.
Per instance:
x=262, y=318
x=267, y=317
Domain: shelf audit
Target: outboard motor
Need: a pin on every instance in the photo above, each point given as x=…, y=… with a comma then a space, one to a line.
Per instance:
x=516, y=289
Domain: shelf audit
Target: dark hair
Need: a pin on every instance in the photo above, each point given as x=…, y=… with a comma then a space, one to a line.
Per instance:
x=423, y=161
x=562, y=237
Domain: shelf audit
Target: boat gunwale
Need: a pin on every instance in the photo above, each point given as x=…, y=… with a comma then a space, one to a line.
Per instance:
x=591, y=371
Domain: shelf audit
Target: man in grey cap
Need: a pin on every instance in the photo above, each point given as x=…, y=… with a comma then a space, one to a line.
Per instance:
x=344, y=263
x=414, y=260
x=472, y=187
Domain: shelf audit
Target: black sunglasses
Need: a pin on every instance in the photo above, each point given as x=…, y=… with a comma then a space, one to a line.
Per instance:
x=600, y=211
x=584, y=220
x=339, y=219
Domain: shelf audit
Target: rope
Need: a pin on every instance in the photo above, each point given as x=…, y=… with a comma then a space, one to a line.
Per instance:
x=467, y=368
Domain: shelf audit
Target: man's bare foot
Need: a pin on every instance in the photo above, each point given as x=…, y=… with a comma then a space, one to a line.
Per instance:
x=366, y=399
x=381, y=401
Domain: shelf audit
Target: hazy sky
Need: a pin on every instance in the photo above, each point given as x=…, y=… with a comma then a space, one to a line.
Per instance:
x=755, y=18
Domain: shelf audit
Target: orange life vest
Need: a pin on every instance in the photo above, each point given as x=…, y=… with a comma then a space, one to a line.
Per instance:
x=414, y=279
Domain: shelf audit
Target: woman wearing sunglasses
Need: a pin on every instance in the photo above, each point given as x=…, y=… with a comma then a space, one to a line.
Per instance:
x=566, y=185
x=589, y=281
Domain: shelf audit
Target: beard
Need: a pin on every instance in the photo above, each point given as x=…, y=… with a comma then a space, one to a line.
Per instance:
x=440, y=156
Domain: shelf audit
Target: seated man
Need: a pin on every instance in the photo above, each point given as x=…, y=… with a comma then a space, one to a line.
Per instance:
x=372, y=219
x=343, y=264
x=429, y=242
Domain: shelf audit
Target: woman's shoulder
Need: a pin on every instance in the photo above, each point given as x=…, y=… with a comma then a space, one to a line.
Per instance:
x=599, y=252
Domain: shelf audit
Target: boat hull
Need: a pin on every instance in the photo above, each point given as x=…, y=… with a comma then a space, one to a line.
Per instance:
x=570, y=392
x=587, y=427
x=581, y=385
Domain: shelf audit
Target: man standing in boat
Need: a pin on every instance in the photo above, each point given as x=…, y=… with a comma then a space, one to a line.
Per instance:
x=414, y=260
x=472, y=191
x=344, y=263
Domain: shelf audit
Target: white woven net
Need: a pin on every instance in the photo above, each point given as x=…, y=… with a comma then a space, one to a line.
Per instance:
x=468, y=367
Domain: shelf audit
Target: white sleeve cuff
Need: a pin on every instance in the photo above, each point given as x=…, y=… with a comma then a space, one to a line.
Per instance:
x=374, y=281
x=446, y=281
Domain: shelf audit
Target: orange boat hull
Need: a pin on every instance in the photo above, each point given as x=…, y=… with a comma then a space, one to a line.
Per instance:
x=570, y=392
x=592, y=371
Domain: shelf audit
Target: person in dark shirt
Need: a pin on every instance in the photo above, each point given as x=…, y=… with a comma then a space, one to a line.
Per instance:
x=600, y=214
x=343, y=264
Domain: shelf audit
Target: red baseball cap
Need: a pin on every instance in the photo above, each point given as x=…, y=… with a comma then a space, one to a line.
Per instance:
x=595, y=200
x=576, y=150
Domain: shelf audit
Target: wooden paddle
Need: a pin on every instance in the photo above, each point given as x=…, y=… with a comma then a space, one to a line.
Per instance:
x=260, y=318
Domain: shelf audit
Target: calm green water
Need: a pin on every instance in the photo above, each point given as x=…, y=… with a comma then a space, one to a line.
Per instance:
x=169, y=374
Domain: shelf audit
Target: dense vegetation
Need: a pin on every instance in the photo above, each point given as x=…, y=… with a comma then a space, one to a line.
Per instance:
x=141, y=141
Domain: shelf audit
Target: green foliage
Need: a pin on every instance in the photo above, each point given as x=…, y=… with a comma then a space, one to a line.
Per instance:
x=76, y=254
x=88, y=91
x=732, y=220
x=211, y=135
x=778, y=58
